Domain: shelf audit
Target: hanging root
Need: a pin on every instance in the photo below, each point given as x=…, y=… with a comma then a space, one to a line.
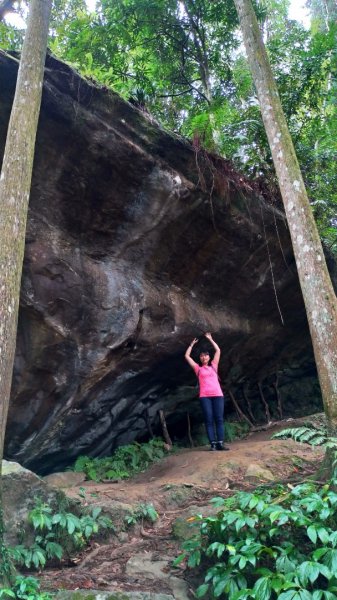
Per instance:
x=265, y=404
x=166, y=435
x=238, y=409
x=249, y=406
x=189, y=430
x=278, y=396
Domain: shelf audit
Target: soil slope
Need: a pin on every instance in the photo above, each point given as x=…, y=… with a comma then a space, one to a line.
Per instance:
x=139, y=558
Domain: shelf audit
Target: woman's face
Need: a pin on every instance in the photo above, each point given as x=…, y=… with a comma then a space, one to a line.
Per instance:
x=204, y=358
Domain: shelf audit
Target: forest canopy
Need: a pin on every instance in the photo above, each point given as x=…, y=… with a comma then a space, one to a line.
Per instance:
x=183, y=62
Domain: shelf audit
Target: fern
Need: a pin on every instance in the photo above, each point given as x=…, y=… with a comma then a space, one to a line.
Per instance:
x=311, y=436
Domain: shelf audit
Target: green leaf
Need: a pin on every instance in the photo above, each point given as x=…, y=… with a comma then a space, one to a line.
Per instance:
x=323, y=535
x=312, y=534
x=288, y=595
x=202, y=590
x=96, y=511
x=220, y=586
x=262, y=588
x=308, y=571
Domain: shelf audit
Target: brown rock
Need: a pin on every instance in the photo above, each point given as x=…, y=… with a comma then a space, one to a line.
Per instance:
x=134, y=246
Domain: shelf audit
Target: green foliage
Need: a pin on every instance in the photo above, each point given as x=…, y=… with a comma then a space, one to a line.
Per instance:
x=24, y=588
x=143, y=512
x=310, y=435
x=6, y=565
x=10, y=37
x=235, y=430
x=263, y=547
x=182, y=62
x=125, y=461
x=57, y=533
x=313, y=436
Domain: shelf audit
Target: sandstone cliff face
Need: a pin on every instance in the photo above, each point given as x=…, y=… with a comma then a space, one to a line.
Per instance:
x=136, y=243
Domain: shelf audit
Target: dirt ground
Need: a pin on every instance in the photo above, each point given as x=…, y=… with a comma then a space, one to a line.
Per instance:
x=178, y=486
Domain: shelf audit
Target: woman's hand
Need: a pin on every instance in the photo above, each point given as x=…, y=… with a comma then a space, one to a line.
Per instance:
x=216, y=358
x=190, y=360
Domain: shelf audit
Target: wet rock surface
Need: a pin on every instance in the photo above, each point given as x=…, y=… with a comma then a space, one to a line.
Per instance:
x=136, y=243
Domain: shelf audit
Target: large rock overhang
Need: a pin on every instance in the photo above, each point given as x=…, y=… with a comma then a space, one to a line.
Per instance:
x=136, y=243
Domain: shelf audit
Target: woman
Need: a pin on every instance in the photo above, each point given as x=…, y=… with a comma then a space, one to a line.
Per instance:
x=210, y=392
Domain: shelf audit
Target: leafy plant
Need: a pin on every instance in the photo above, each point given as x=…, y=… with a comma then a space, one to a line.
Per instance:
x=25, y=588
x=145, y=512
x=310, y=435
x=125, y=461
x=261, y=547
x=234, y=430
x=58, y=533
x=313, y=436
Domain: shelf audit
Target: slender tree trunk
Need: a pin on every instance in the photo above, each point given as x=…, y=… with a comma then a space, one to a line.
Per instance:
x=318, y=293
x=15, y=181
x=200, y=43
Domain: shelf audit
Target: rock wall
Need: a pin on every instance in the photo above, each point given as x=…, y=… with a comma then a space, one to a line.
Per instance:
x=136, y=243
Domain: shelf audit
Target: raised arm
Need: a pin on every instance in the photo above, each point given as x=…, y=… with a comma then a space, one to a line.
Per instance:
x=216, y=358
x=190, y=360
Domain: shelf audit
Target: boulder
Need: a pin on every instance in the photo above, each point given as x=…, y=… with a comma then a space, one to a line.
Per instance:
x=256, y=471
x=136, y=242
x=21, y=490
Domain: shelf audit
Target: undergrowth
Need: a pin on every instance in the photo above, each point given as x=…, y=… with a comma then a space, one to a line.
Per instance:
x=125, y=461
x=142, y=512
x=235, y=430
x=263, y=547
x=276, y=544
x=56, y=534
x=24, y=588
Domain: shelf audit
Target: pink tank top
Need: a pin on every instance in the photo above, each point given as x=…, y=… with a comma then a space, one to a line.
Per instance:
x=208, y=381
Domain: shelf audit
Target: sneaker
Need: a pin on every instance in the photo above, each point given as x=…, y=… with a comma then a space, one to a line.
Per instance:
x=220, y=446
x=213, y=446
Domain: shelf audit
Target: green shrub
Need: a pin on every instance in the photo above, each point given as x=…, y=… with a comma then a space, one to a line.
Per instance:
x=235, y=430
x=59, y=533
x=125, y=461
x=142, y=512
x=25, y=588
x=263, y=547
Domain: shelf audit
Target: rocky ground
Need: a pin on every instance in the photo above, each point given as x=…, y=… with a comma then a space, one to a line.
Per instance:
x=138, y=558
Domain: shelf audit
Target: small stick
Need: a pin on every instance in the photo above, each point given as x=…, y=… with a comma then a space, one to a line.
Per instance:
x=278, y=396
x=189, y=430
x=165, y=431
x=259, y=385
x=238, y=409
x=249, y=406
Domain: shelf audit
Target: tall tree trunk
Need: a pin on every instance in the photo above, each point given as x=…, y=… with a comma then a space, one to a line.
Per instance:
x=15, y=181
x=318, y=293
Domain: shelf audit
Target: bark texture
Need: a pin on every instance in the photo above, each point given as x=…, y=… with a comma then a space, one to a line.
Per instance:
x=15, y=181
x=318, y=293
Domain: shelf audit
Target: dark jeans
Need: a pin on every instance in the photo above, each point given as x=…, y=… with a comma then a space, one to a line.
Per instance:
x=213, y=409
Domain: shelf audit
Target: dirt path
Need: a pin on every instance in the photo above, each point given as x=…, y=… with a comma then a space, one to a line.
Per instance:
x=140, y=557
